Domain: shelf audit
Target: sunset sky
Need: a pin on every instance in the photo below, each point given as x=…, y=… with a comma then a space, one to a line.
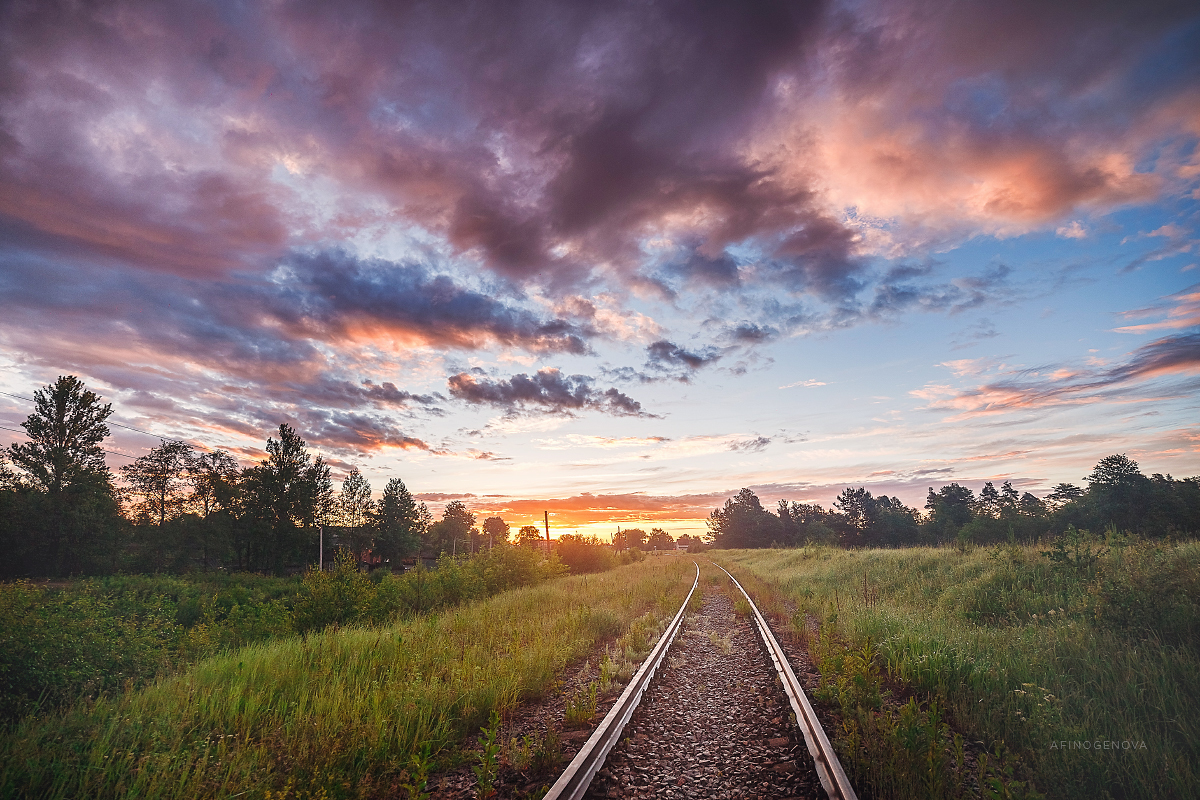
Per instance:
x=613, y=260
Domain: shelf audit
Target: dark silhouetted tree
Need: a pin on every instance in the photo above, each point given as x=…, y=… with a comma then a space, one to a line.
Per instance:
x=988, y=504
x=530, y=536
x=214, y=479
x=660, y=540
x=354, y=512
x=291, y=492
x=71, y=514
x=157, y=483
x=495, y=530
x=950, y=508
x=743, y=522
x=455, y=532
x=1062, y=494
x=632, y=537
x=159, y=494
x=399, y=523
x=1119, y=492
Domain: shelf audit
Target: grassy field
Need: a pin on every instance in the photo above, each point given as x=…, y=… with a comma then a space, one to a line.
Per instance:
x=1078, y=669
x=350, y=712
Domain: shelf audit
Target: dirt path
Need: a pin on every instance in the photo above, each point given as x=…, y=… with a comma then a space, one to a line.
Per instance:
x=715, y=723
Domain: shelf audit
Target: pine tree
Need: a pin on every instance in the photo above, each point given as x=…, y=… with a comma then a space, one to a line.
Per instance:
x=71, y=512
x=399, y=523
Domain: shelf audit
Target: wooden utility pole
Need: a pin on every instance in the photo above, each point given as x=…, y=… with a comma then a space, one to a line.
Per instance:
x=546, y=517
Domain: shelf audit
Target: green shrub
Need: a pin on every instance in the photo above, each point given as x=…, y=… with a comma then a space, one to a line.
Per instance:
x=1149, y=590
x=340, y=596
x=56, y=647
x=584, y=554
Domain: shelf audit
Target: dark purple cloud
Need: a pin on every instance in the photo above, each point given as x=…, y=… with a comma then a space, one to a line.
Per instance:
x=548, y=389
x=260, y=324
x=749, y=333
x=670, y=355
x=327, y=294
x=668, y=360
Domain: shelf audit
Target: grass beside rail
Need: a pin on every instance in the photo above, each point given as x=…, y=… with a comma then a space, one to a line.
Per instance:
x=1028, y=653
x=341, y=713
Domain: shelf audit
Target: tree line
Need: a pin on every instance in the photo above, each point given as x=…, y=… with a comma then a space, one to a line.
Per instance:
x=64, y=512
x=1117, y=496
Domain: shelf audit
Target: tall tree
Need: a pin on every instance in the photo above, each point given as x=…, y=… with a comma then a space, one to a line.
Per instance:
x=158, y=483
x=158, y=492
x=804, y=522
x=355, y=510
x=495, y=529
x=529, y=536
x=659, y=539
x=1120, y=492
x=988, y=504
x=631, y=537
x=950, y=508
x=1031, y=506
x=399, y=523
x=858, y=509
x=455, y=532
x=214, y=480
x=743, y=522
x=65, y=431
x=1009, y=499
x=75, y=508
x=291, y=492
x=1062, y=494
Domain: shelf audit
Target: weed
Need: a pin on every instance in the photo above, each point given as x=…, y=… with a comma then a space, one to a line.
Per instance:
x=860, y=678
x=610, y=674
x=547, y=753
x=722, y=643
x=415, y=778
x=489, y=757
x=870, y=592
x=1076, y=552
x=581, y=706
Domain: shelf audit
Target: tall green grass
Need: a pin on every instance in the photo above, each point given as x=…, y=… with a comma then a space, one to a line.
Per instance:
x=1024, y=651
x=100, y=635
x=340, y=713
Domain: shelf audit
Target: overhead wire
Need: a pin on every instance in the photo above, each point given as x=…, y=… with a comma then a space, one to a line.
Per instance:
x=115, y=425
x=102, y=450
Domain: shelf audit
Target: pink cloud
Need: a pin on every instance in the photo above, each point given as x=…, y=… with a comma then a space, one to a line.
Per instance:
x=1029, y=389
x=1183, y=311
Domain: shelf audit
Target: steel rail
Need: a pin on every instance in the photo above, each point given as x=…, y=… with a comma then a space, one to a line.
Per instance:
x=574, y=781
x=829, y=769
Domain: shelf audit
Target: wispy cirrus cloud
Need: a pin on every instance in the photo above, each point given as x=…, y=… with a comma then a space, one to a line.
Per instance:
x=1047, y=387
x=1182, y=310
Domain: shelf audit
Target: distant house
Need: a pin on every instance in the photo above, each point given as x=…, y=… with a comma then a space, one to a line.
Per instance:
x=681, y=547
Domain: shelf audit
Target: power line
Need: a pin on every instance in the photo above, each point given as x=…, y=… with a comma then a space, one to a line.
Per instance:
x=114, y=424
x=102, y=450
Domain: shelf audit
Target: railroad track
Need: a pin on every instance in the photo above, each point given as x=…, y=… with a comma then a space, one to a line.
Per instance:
x=574, y=782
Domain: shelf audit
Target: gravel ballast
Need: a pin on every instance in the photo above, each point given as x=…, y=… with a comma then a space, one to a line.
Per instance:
x=715, y=722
